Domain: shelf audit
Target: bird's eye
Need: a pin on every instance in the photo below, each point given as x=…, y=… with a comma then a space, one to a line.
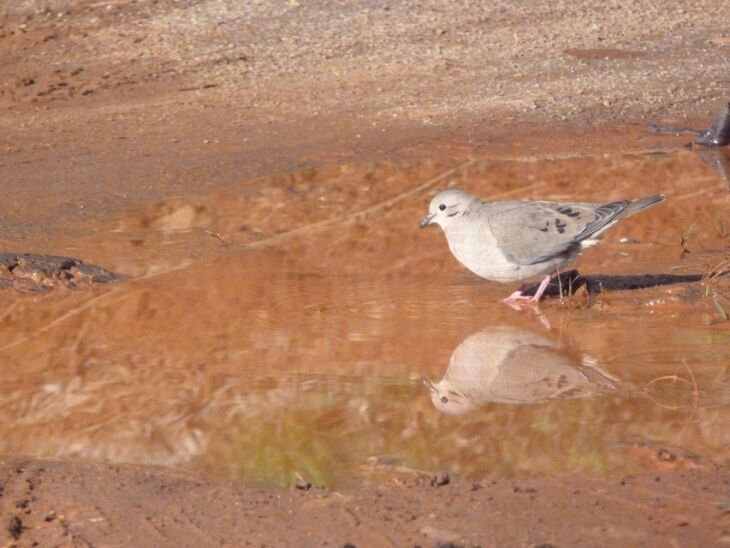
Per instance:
x=444, y=399
x=442, y=207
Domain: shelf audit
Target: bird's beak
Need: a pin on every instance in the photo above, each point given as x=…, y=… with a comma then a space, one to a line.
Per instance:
x=427, y=220
x=429, y=384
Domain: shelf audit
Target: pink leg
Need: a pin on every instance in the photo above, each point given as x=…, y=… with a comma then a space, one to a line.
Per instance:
x=541, y=289
x=515, y=297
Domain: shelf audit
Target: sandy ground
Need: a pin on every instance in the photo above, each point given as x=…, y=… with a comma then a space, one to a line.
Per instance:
x=125, y=123
x=107, y=105
x=56, y=504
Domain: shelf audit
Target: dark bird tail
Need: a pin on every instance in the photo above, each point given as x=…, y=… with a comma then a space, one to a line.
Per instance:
x=642, y=203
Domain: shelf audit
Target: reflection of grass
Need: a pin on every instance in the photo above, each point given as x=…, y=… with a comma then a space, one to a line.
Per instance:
x=717, y=271
x=274, y=453
x=714, y=291
x=317, y=436
x=328, y=431
x=716, y=276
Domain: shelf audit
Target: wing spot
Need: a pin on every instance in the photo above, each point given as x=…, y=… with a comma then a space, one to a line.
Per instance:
x=560, y=226
x=569, y=212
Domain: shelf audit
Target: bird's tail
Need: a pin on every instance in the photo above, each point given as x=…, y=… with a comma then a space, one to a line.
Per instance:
x=642, y=203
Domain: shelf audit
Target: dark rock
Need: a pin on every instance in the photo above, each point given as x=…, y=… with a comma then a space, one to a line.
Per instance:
x=15, y=527
x=665, y=455
x=27, y=272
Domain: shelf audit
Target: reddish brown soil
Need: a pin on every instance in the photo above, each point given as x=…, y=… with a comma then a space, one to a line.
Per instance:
x=59, y=504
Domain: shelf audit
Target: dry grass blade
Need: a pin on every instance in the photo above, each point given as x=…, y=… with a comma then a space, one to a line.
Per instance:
x=675, y=379
x=720, y=309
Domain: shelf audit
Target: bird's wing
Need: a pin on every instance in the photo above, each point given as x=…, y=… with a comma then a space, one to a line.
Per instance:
x=534, y=373
x=534, y=232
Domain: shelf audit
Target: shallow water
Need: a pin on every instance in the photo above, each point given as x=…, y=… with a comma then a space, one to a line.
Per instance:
x=285, y=331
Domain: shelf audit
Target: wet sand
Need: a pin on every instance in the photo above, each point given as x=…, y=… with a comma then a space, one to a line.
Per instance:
x=278, y=308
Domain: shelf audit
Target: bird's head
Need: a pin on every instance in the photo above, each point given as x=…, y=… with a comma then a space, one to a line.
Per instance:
x=448, y=400
x=447, y=206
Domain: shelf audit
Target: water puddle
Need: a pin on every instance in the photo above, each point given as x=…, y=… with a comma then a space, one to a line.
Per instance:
x=305, y=327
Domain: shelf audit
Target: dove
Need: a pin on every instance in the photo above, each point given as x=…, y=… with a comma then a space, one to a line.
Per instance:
x=519, y=240
x=508, y=365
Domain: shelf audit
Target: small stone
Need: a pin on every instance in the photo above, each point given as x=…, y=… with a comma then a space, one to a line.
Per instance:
x=15, y=527
x=442, y=478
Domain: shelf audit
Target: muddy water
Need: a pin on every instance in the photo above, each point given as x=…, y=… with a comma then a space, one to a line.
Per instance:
x=285, y=331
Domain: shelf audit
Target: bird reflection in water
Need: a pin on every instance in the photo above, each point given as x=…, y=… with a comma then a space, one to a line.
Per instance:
x=514, y=366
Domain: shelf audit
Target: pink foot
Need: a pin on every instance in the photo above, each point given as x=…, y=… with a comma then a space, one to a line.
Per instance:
x=517, y=297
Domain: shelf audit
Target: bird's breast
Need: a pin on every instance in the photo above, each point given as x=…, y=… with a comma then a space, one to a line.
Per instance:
x=477, y=249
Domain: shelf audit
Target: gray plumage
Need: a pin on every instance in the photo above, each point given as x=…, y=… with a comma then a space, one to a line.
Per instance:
x=518, y=240
x=513, y=366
